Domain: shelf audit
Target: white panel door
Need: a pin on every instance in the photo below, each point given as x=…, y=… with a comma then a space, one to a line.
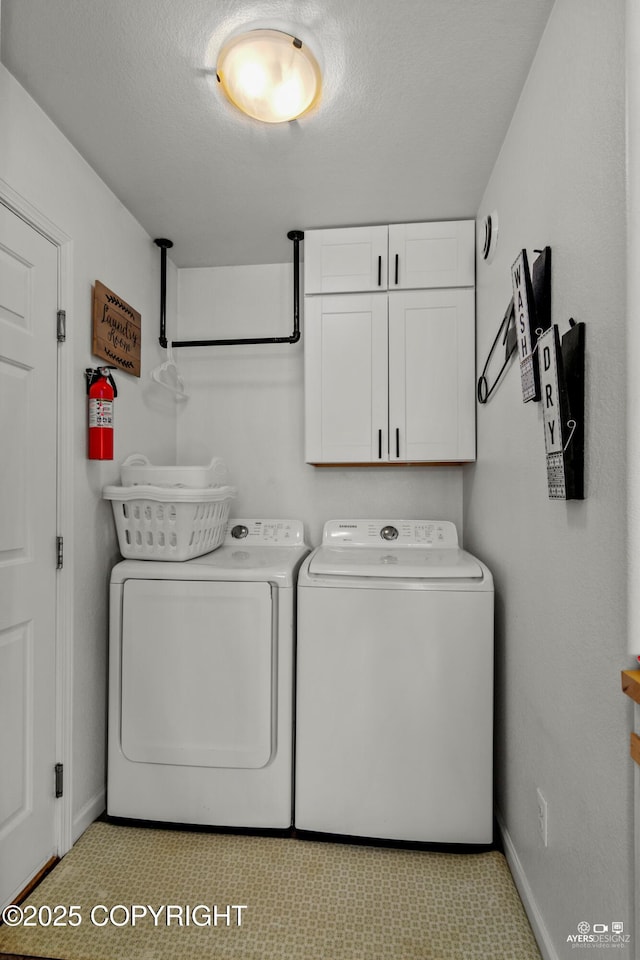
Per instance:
x=348, y=259
x=28, y=391
x=432, y=254
x=432, y=375
x=197, y=673
x=346, y=379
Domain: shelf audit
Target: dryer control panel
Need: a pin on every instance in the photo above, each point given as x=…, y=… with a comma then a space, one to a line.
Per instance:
x=285, y=533
x=382, y=533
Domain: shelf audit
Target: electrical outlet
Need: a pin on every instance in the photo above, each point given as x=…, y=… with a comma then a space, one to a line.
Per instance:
x=542, y=816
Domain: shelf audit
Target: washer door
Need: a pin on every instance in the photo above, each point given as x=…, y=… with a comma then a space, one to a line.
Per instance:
x=197, y=673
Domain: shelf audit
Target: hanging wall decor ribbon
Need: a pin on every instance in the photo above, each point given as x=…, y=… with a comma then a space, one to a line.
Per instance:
x=506, y=333
x=541, y=286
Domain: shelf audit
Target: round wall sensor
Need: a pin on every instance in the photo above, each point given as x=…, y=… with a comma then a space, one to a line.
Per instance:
x=489, y=236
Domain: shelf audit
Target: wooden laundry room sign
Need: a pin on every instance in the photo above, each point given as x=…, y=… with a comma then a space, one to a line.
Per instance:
x=116, y=330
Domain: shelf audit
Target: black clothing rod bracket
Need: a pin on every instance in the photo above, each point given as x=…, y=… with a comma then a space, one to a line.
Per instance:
x=295, y=236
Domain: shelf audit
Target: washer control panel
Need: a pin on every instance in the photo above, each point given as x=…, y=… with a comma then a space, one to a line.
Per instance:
x=284, y=533
x=381, y=533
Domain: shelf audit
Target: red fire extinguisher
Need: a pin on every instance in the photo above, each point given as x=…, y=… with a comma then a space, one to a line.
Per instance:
x=101, y=390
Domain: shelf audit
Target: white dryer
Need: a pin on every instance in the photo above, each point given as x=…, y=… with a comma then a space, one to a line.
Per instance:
x=201, y=682
x=394, y=717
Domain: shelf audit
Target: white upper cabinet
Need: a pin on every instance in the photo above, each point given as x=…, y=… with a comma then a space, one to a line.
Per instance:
x=389, y=344
x=432, y=255
x=402, y=256
x=344, y=260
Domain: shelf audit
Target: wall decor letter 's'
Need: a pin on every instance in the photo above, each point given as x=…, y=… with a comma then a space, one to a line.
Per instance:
x=525, y=315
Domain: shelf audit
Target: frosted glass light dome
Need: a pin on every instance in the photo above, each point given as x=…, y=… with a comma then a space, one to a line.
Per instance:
x=269, y=75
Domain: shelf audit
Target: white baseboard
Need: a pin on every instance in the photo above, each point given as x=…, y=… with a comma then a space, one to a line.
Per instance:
x=93, y=809
x=538, y=926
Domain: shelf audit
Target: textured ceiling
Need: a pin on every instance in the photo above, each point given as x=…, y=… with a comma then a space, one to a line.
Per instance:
x=417, y=98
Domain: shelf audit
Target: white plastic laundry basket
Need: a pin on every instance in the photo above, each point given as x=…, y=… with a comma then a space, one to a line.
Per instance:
x=177, y=523
x=138, y=470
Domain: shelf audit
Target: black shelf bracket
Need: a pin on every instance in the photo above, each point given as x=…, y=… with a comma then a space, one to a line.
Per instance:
x=295, y=236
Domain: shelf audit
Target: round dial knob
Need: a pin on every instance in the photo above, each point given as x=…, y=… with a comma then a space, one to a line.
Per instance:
x=389, y=533
x=239, y=532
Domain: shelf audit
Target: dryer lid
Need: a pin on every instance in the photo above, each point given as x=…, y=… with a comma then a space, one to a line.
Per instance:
x=431, y=563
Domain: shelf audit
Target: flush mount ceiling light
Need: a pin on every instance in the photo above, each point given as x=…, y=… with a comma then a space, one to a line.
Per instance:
x=269, y=75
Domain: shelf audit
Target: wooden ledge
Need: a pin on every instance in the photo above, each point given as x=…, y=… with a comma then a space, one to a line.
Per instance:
x=631, y=684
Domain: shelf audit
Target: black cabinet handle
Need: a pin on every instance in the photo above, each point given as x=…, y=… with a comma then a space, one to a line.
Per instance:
x=380, y=271
x=379, y=444
x=397, y=259
x=398, y=442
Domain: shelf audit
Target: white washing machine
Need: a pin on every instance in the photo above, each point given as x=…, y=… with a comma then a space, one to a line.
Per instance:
x=201, y=682
x=394, y=717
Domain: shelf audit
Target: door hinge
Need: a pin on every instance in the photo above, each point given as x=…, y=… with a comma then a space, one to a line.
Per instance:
x=62, y=325
x=59, y=553
x=59, y=768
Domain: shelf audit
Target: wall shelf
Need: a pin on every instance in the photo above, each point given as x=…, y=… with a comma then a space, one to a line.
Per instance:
x=631, y=684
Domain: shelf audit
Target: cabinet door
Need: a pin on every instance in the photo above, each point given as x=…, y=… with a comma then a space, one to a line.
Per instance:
x=346, y=398
x=432, y=255
x=345, y=260
x=432, y=375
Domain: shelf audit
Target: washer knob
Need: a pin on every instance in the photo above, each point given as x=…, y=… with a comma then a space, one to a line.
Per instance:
x=239, y=532
x=389, y=533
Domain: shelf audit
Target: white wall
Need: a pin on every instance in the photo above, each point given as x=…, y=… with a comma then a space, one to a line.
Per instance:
x=562, y=722
x=246, y=406
x=107, y=244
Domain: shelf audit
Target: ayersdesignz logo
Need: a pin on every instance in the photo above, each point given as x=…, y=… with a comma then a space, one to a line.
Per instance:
x=605, y=935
